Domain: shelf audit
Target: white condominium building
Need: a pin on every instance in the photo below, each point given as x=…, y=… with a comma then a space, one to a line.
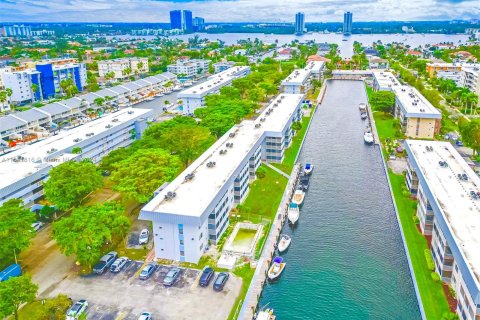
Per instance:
x=418, y=117
x=189, y=68
x=123, y=68
x=300, y=80
x=2, y=71
x=471, y=78
x=194, y=207
x=194, y=97
x=22, y=172
x=448, y=208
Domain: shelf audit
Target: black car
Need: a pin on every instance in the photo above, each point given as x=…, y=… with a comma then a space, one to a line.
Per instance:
x=206, y=277
x=105, y=262
x=219, y=283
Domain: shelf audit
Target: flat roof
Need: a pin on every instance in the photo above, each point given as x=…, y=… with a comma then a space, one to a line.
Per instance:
x=36, y=155
x=55, y=108
x=414, y=104
x=443, y=65
x=452, y=194
x=386, y=80
x=10, y=122
x=193, y=197
x=31, y=115
x=213, y=83
x=299, y=76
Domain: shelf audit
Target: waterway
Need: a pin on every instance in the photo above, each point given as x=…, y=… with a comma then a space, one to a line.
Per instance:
x=345, y=43
x=346, y=260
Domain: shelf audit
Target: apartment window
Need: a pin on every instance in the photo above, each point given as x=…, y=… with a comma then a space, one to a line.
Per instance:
x=182, y=242
x=201, y=235
x=182, y=253
x=180, y=228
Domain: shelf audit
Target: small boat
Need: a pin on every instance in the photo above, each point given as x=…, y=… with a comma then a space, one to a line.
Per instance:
x=276, y=268
x=368, y=137
x=298, y=197
x=266, y=314
x=362, y=106
x=308, y=168
x=293, y=213
x=284, y=243
x=363, y=116
x=304, y=182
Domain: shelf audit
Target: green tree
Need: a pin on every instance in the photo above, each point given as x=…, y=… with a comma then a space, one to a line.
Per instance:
x=71, y=182
x=76, y=150
x=14, y=292
x=68, y=87
x=471, y=134
x=143, y=172
x=115, y=156
x=89, y=229
x=15, y=230
x=382, y=101
x=99, y=101
x=54, y=308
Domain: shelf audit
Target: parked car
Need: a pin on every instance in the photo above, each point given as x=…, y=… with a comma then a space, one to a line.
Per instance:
x=219, y=283
x=459, y=143
x=145, y=316
x=105, y=262
x=392, y=156
x=13, y=270
x=119, y=264
x=171, y=277
x=206, y=277
x=147, y=271
x=37, y=225
x=143, y=238
x=77, y=310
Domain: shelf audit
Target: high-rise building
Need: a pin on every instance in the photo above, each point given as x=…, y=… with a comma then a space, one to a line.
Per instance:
x=299, y=23
x=176, y=19
x=347, y=23
x=16, y=31
x=198, y=24
x=187, y=21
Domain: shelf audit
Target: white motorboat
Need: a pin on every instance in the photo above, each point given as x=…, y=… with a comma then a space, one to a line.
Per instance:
x=293, y=213
x=308, y=168
x=364, y=116
x=266, y=314
x=362, y=106
x=368, y=137
x=284, y=243
x=276, y=268
x=298, y=197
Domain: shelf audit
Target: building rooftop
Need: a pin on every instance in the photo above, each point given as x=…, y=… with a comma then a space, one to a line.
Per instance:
x=453, y=195
x=10, y=122
x=193, y=197
x=213, y=83
x=299, y=76
x=414, y=104
x=55, y=108
x=35, y=156
x=386, y=80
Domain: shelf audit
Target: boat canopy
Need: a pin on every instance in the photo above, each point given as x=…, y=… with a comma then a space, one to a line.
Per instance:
x=293, y=205
x=278, y=260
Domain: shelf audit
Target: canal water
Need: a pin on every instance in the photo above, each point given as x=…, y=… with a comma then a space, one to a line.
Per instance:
x=346, y=259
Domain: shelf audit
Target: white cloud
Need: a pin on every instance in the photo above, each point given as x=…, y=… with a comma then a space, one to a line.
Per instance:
x=234, y=11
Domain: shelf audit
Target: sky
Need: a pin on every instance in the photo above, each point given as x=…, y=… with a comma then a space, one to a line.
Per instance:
x=235, y=10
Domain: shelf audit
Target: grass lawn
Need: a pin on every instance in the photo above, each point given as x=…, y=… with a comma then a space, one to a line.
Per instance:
x=291, y=153
x=387, y=125
x=433, y=298
x=264, y=197
x=246, y=273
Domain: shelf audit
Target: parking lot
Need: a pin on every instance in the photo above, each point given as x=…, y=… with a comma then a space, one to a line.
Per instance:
x=133, y=236
x=124, y=296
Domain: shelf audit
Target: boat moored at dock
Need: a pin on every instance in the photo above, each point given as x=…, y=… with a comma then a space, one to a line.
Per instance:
x=276, y=268
x=284, y=243
x=368, y=137
x=298, y=197
x=293, y=213
x=308, y=168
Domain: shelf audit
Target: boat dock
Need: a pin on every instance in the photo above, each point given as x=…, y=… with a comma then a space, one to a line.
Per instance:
x=250, y=304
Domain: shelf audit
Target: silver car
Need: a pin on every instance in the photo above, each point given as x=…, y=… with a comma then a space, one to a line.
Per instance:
x=143, y=238
x=119, y=264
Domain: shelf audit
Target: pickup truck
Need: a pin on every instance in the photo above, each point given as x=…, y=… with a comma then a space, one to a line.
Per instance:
x=105, y=262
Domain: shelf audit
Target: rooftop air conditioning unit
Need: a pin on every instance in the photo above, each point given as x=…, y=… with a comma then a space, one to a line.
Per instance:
x=211, y=164
x=130, y=112
x=189, y=176
x=115, y=120
x=223, y=151
x=262, y=119
x=232, y=134
x=108, y=126
x=229, y=144
x=170, y=195
x=258, y=125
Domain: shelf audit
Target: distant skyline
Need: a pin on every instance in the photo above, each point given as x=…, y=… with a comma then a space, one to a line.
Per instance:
x=235, y=10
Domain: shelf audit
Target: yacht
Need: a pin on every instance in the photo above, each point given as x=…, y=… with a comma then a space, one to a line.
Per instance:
x=368, y=138
x=266, y=314
x=298, y=197
x=362, y=106
x=284, y=243
x=308, y=168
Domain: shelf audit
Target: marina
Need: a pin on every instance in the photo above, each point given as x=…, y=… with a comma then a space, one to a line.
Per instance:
x=346, y=259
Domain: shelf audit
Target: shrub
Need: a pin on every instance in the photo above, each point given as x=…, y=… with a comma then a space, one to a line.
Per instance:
x=428, y=257
x=416, y=220
x=261, y=172
x=435, y=276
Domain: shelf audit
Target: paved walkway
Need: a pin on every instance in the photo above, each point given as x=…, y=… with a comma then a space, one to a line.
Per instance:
x=277, y=170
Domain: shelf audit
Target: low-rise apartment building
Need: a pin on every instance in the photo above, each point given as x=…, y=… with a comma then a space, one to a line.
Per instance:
x=193, y=209
x=222, y=66
x=300, y=80
x=21, y=83
x=436, y=67
x=194, y=97
x=2, y=71
x=471, y=78
x=448, y=209
x=20, y=124
x=23, y=171
x=418, y=117
x=189, y=68
x=123, y=68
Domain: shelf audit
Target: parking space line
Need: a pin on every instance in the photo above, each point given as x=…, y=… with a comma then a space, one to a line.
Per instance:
x=120, y=315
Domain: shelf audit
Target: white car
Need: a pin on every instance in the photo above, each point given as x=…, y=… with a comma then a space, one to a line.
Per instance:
x=37, y=225
x=143, y=238
x=119, y=264
x=145, y=316
x=77, y=310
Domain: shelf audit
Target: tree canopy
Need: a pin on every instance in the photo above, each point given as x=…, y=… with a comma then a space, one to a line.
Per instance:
x=14, y=292
x=15, y=230
x=70, y=182
x=471, y=134
x=383, y=100
x=88, y=229
x=143, y=172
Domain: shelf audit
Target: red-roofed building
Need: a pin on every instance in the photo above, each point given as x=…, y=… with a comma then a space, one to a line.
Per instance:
x=317, y=58
x=414, y=53
x=129, y=51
